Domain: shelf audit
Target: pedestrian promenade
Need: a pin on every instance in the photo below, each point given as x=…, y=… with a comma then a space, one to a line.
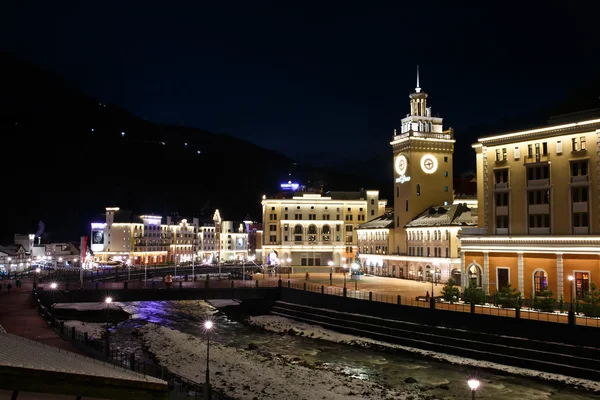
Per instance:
x=18, y=316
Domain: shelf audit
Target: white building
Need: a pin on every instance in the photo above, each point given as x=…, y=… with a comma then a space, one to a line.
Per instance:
x=307, y=231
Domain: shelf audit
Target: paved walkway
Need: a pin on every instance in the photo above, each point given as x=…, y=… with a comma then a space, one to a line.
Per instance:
x=18, y=316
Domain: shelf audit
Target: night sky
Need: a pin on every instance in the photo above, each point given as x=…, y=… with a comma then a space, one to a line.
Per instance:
x=330, y=79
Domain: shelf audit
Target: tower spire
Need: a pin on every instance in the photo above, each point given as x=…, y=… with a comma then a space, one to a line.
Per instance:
x=418, y=88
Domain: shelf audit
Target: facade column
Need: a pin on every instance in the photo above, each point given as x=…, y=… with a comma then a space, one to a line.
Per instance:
x=463, y=271
x=559, y=275
x=520, y=272
x=486, y=272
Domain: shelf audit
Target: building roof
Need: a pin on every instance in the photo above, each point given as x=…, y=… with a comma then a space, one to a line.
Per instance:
x=455, y=215
x=23, y=353
x=386, y=221
x=10, y=249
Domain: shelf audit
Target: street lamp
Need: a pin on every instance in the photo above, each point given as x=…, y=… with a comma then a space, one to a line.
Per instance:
x=208, y=325
x=8, y=270
x=35, y=275
x=108, y=300
x=345, y=290
x=571, y=279
x=330, y=263
x=473, y=385
x=356, y=267
x=53, y=286
x=289, y=261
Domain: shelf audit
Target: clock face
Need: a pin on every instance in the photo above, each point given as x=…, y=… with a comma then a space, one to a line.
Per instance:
x=428, y=164
x=401, y=164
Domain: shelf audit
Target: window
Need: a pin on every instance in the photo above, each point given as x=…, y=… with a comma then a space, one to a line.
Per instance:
x=501, y=175
x=447, y=252
x=497, y=154
x=539, y=221
x=574, y=145
x=559, y=147
x=582, y=143
x=504, y=154
x=406, y=209
x=538, y=172
x=445, y=188
x=285, y=216
x=501, y=199
x=539, y=197
x=529, y=151
x=540, y=282
x=582, y=283
x=537, y=149
x=580, y=220
x=579, y=168
x=503, y=278
x=579, y=194
x=273, y=228
x=372, y=201
x=297, y=217
x=445, y=174
x=272, y=238
x=372, y=213
x=502, y=222
x=445, y=159
x=418, y=189
x=544, y=148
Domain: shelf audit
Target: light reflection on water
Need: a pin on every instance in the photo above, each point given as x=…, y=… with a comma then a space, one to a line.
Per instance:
x=389, y=369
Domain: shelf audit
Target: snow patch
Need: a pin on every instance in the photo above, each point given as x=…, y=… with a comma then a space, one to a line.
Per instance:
x=281, y=324
x=94, y=330
x=223, y=303
x=87, y=306
x=244, y=374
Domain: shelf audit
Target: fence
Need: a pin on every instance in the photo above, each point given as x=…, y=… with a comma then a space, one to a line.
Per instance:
x=459, y=306
x=99, y=349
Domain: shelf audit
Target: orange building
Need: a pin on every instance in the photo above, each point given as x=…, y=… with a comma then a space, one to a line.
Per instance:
x=539, y=210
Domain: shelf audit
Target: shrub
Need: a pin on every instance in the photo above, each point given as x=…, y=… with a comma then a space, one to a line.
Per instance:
x=591, y=305
x=450, y=291
x=473, y=294
x=544, y=301
x=508, y=297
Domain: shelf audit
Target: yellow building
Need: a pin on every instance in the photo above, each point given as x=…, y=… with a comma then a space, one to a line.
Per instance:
x=419, y=239
x=308, y=231
x=539, y=214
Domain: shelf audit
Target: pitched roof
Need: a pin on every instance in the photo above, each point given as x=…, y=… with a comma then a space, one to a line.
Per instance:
x=454, y=215
x=386, y=221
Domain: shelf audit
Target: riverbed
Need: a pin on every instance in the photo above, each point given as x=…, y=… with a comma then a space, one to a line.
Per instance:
x=390, y=369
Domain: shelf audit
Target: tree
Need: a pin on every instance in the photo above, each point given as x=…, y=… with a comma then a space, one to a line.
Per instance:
x=544, y=301
x=450, y=291
x=591, y=298
x=473, y=294
x=508, y=297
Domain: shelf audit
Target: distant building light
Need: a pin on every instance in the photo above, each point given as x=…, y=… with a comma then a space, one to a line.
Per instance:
x=290, y=186
x=198, y=151
x=122, y=133
x=185, y=144
x=92, y=129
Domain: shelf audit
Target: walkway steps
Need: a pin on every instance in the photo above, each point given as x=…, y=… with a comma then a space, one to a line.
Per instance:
x=576, y=361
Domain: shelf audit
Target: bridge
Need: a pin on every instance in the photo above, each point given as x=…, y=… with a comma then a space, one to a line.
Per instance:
x=157, y=291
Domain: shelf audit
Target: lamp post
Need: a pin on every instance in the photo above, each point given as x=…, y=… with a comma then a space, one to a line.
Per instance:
x=356, y=267
x=330, y=263
x=53, y=286
x=35, y=277
x=289, y=261
x=571, y=317
x=108, y=300
x=208, y=325
x=473, y=385
x=432, y=299
x=8, y=269
x=345, y=290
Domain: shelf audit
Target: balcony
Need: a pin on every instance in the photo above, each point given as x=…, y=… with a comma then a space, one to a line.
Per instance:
x=539, y=209
x=501, y=185
x=502, y=211
x=581, y=230
x=579, y=179
x=501, y=231
x=538, y=182
x=580, y=206
x=536, y=158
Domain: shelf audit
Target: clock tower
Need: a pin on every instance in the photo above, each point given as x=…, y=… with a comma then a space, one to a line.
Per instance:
x=422, y=165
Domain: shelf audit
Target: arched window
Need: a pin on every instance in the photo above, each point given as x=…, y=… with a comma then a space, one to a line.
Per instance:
x=418, y=189
x=298, y=230
x=428, y=235
x=326, y=231
x=439, y=235
x=447, y=235
x=431, y=127
x=420, y=125
x=540, y=281
x=425, y=126
x=312, y=230
x=474, y=274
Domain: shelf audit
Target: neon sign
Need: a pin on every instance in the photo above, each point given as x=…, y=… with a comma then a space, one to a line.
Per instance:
x=402, y=178
x=96, y=225
x=290, y=186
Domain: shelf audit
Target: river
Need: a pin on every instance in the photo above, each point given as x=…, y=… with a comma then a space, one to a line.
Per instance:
x=387, y=368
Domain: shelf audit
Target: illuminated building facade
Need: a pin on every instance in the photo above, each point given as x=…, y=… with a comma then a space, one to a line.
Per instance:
x=312, y=229
x=144, y=239
x=539, y=215
x=419, y=239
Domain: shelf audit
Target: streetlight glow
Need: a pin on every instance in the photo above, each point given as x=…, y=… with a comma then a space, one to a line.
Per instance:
x=570, y=277
x=473, y=384
x=208, y=325
x=53, y=285
x=108, y=300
